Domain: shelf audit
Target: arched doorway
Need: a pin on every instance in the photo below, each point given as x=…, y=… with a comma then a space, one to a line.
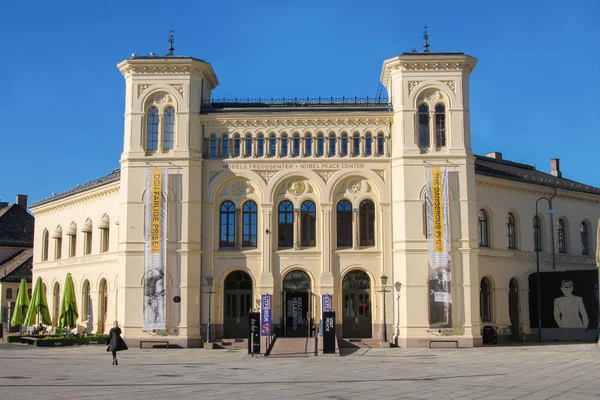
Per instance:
x=103, y=306
x=485, y=300
x=296, y=303
x=513, y=308
x=56, y=303
x=238, y=303
x=356, y=292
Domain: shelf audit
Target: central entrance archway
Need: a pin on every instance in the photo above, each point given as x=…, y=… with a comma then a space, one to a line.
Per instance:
x=356, y=291
x=238, y=303
x=296, y=302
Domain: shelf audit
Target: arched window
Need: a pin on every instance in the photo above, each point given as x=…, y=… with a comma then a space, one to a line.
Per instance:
x=152, y=128
x=356, y=144
x=272, y=145
x=308, y=145
x=225, y=145
x=537, y=234
x=332, y=144
x=308, y=224
x=585, y=241
x=483, y=228
x=286, y=224
x=260, y=145
x=367, y=223
x=440, y=125
x=380, y=144
x=45, y=242
x=86, y=303
x=344, y=151
x=104, y=227
x=57, y=236
x=227, y=226
x=213, y=145
x=87, y=237
x=250, y=225
x=320, y=144
x=344, y=224
x=562, y=241
x=368, y=144
x=296, y=145
x=511, y=232
x=9, y=294
x=284, y=145
x=169, y=128
x=237, y=145
x=248, y=145
x=485, y=300
x=424, y=126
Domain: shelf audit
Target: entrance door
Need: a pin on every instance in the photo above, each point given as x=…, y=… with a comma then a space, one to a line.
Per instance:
x=296, y=302
x=513, y=308
x=238, y=303
x=356, y=289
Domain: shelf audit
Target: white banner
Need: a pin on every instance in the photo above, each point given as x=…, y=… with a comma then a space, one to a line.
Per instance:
x=438, y=243
x=155, y=249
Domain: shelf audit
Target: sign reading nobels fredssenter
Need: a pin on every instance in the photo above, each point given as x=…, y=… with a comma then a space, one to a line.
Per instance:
x=155, y=249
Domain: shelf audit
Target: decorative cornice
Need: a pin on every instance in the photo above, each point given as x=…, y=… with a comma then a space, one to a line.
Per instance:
x=303, y=123
x=79, y=199
x=170, y=67
x=426, y=63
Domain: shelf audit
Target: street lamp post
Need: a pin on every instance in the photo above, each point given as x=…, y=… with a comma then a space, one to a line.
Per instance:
x=383, y=290
x=209, y=291
x=398, y=286
x=537, y=244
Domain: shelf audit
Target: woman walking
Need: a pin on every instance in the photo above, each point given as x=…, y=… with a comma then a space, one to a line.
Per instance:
x=115, y=342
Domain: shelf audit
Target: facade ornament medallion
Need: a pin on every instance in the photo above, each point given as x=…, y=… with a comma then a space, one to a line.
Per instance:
x=178, y=87
x=354, y=186
x=160, y=98
x=296, y=188
x=266, y=175
x=412, y=85
x=142, y=87
x=451, y=85
x=325, y=174
x=239, y=188
x=432, y=95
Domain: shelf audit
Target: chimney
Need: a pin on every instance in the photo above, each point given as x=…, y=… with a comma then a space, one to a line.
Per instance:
x=22, y=201
x=555, y=167
x=496, y=155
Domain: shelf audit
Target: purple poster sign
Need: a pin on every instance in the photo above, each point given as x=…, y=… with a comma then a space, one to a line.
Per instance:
x=266, y=313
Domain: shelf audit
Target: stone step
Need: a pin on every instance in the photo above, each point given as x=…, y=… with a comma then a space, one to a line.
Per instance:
x=233, y=344
x=293, y=347
x=359, y=342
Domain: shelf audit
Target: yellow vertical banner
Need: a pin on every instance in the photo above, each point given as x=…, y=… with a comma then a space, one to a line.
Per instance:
x=438, y=211
x=155, y=211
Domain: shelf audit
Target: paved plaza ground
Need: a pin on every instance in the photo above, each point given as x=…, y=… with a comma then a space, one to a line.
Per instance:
x=564, y=371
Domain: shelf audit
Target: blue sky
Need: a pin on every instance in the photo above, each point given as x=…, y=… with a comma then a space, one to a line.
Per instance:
x=535, y=93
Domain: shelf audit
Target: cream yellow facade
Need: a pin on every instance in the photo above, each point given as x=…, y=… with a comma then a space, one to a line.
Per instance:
x=384, y=166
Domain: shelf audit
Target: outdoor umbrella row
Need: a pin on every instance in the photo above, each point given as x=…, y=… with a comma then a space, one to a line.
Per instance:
x=28, y=314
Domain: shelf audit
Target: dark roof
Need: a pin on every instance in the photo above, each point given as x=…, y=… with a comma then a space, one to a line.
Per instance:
x=303, y=104
x=112, y=177
x=431, y=53
x=16, y=227
x=17, y=267
x=527, y=173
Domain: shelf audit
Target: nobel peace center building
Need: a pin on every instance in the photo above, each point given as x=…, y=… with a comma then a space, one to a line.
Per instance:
x=377, y=209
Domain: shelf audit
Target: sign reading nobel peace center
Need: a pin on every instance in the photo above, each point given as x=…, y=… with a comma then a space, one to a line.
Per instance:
x=438, y=243
x=155, y=249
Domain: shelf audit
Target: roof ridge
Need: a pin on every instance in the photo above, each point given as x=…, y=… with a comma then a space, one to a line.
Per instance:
x=11, y=257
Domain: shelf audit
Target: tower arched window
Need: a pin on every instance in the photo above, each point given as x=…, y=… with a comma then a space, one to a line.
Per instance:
x=87, y=237
x=285, y=225
x=320, y=144
x=440, y=125
x=380, y=144
x=368, y=144
x=249, y=216
x=248, y=145
x=344, y=150
x=562, y=241
x=225, y=145
x=237, y=145
x=424, y=138
x=356, y=144
x=152, y=128
x=104, y=227
x=260, y=145
x=585, y=240
x=296, y=145
x=57, y=236
x=227, y=225
x=483, y=228
x=45, y=242
x=213, y=145
x=367, y=223
x=284, y=145
x=272, y=145
x=308, y=224
x=344, y=224
x=537, y=234
x=308, y=145
x=511, y=232
x=485, y=300
x=332, y=143
x=169, y=128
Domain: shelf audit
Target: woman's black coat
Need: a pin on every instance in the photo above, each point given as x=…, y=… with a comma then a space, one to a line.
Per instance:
x=116, y=343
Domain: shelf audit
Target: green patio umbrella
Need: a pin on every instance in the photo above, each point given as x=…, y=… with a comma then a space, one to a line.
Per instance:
x=21, y=305
x=38, y=308
x=68, y=305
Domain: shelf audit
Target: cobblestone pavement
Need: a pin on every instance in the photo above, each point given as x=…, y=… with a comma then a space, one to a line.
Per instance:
x=568, y=371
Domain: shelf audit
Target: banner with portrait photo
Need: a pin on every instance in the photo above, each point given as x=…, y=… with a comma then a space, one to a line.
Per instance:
x=438, y=243
x=155, y=249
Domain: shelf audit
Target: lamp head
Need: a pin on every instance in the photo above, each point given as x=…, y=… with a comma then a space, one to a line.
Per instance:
x=209, y=280
x=398, y=286
x=384, y=279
